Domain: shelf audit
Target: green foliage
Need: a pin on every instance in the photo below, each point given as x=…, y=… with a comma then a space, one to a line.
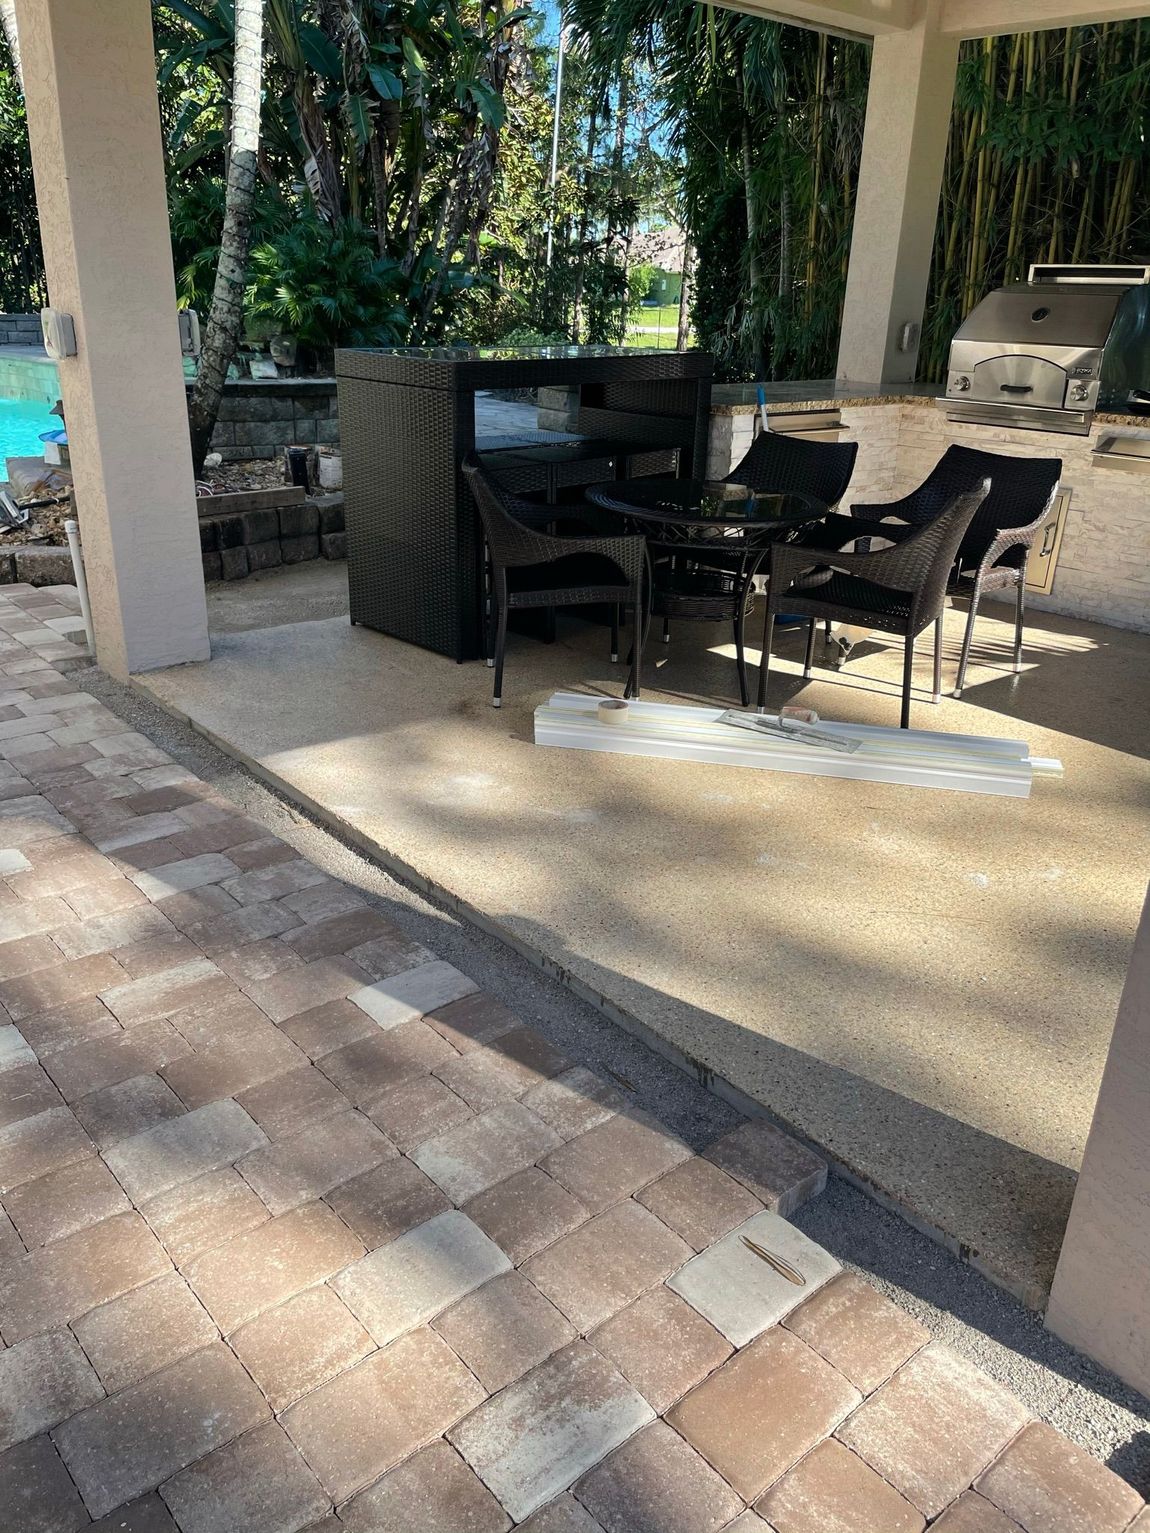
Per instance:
x=21, y=261
x=326, y=285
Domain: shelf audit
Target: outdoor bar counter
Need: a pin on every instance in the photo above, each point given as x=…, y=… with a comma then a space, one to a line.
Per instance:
x=407, y=420
x=1094, y=561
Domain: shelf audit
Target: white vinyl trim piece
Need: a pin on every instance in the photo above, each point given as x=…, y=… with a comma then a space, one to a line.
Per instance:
x=915, y=757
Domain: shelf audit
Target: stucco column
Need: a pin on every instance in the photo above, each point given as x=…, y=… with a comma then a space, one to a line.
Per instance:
x=1100, y=1301
x=94, y=124
x=900, y=177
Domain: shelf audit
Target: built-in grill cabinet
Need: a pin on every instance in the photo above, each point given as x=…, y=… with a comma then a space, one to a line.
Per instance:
x=1045, y=354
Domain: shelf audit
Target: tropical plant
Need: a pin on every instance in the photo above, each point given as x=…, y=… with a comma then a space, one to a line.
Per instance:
x=327, y=285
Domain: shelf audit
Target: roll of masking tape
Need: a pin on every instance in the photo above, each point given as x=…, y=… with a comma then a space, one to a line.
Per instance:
x=613, y=710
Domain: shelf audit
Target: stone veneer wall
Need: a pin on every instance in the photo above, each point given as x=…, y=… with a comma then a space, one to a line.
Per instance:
x=20, y=330
x=1103, y=570
x=259, y=417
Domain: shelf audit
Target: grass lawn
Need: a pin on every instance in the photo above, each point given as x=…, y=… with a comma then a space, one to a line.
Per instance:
x=654, y=327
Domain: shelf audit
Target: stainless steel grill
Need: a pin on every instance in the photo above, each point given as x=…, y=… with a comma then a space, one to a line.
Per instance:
x=1045, y=354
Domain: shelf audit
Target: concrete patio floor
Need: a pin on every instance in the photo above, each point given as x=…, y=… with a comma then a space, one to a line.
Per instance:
x=295, y=1217
x=921, y=984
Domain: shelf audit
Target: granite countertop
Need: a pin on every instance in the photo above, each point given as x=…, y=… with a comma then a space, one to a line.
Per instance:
x=811, y=394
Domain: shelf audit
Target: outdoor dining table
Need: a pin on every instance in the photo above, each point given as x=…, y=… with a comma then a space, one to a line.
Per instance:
x=708, y=540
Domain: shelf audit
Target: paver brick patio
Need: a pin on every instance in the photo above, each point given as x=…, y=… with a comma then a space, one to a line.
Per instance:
x=237, y=1294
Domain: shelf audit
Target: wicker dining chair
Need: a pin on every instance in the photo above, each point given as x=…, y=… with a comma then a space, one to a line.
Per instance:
x=993, y=554
x=716, y=582
x=534, y=568
x=899, y=590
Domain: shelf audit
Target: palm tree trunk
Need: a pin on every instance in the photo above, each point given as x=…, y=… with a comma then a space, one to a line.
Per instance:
x=683, y=334
x=225, y=319
x=11, y=37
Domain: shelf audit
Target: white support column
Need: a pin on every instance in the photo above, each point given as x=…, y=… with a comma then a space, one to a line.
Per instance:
x=900, y=177
x=94, y=124
x=1100, y=1301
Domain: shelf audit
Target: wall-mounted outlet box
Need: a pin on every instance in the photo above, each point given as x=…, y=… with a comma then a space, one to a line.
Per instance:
x=59, y=334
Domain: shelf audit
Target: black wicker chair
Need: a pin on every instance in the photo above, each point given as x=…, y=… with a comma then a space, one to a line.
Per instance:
x=533, y=568
x=714, y=582
x=899, y=590
x=993, y=554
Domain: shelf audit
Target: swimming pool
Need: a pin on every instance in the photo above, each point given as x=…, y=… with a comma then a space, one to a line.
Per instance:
x=21, y=422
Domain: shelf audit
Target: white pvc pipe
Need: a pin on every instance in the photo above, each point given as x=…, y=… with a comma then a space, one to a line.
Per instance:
x=73, y=530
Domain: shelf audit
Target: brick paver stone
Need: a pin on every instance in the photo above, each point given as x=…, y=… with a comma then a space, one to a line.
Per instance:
x=657, y=1483
x=53, y=1285
x=972, y=1513
x=363, y=1423
x=563, y=1515
x=503, y=1329
x=60, y=1030
x=934, y=1427
x=159, y=995
x=386, y=1202
x=782, y=1173
x=488, y=1149
x=533, y=1439
x=854, y=1327
x=300, y=1344
x=147, y=1514
x=526, y=1213
x=327, y=1152
x=313, y=984
x=36, y=1491
x=600, y=1267
x=833, y=1491
x=324, y=1029
x=418, y=1110
x=662, y=1345
x=283, y=1105
x=65, y=1201
x=419, y=1274
x=25, y=1090
x=129, y=1107
x=699, y=1202
x=412, y=993
x=739, y=1292
x=1051, y=1486
x=184, y=1148
x=135, y=1440
x=34, y=1146
x=432, y=1492
x=184, y=875
x=68, y=980
x=144, y=1331
x=228, y=1068
x=116, y=1057
x=200, y=1215
x=42, y=1381
x=365, y=1069
x=763, y=1410
x=476, y=1019
x=573, y=1102
x=259, y=1484
x=615, y=1159
x=253, y=1272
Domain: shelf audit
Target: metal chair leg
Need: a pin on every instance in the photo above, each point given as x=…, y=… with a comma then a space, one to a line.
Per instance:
x=907, y=674
x=765, y=665
x=633, y=680
x=966, y=638
x=500, y=646
x=1020, y=609
x=741, y=656
x=810, y=660
x=936, y=694
x=615, y=634
x=666, y=631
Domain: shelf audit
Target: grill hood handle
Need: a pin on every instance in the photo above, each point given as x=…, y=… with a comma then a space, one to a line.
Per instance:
x=1016, y=388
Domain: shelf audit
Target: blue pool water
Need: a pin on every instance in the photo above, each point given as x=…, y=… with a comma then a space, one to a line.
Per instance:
x=21, y=422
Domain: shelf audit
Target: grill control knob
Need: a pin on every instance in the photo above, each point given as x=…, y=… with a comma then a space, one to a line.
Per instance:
x=961, y=383
x=1079, y=392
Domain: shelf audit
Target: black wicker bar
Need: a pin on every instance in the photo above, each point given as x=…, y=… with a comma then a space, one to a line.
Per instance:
x=407, y=421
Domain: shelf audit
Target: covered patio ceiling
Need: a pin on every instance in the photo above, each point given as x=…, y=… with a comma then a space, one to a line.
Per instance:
x=952, y=18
